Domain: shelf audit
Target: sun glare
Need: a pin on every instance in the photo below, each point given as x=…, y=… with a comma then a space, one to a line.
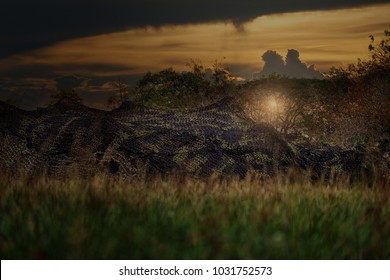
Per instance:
x=273, y=104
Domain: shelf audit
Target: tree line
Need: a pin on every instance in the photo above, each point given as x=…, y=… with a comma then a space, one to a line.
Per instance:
x=350, y=107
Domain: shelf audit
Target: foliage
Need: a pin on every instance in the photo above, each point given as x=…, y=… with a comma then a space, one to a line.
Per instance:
x=221, y=75
x=183, y=218
x=365, y=105
x=322, y=211
x=120, y=95
x=350, y=108
x=197, y=68
x=292, y=106
x=171, y=89
x=380, y=53
x=69, y=96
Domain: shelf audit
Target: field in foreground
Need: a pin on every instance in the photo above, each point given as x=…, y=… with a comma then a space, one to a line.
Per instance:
x=185, y=218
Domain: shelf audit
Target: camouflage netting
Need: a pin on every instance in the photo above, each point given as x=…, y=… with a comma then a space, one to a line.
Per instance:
x=217, y=139
x=65, y=140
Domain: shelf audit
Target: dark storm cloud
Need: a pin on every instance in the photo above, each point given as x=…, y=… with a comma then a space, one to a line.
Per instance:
x=27, y=25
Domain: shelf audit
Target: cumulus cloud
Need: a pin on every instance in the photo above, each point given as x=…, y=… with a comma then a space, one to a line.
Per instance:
x=292, y=66
x=273, y=63
x=27, y=25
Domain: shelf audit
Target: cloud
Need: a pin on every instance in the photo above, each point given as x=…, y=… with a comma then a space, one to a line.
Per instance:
x=26, y=93
x=243, y=70
x=292, y=66
x=30, y=92
x=71, y=82
x=273, y=63
x=27, y=25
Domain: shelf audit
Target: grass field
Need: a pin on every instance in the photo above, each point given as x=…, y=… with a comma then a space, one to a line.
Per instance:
x=188, y=218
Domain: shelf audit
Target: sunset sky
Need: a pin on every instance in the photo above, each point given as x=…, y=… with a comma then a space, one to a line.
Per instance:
x=86, y=44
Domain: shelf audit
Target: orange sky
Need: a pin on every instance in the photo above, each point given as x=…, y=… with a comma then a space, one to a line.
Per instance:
x=323, y=38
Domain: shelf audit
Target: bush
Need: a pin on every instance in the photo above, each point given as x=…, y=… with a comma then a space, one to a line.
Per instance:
x=171, y=89
x=365, y=106
x=69, y=96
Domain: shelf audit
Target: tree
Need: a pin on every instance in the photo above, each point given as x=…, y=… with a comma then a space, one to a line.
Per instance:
x=380, y=53
x=171, y=89
x=221, y=75
x=120, y=94
x=67, y=96
x=366, y=94
x=196, y=68
x=295, y=107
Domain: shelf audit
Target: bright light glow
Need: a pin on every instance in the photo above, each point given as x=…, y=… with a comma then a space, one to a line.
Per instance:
x=273, y=105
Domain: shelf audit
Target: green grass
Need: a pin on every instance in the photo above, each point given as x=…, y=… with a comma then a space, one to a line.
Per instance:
x=186, y=218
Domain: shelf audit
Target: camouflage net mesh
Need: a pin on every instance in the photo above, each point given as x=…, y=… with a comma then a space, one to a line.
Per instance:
x=218, y=139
